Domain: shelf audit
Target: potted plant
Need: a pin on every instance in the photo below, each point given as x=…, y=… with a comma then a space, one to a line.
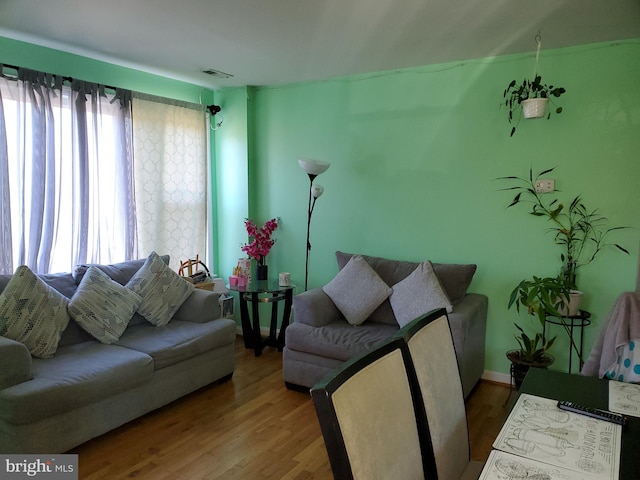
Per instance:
x=583, y=233
x=261, y=244
x=531, y=97
x=541, y=296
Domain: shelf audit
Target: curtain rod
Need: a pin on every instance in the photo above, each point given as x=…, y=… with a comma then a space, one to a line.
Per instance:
x=143, y=96
x=64, y=78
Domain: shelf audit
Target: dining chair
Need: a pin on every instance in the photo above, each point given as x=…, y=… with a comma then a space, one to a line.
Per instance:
x=432, y=369
x=367, y=418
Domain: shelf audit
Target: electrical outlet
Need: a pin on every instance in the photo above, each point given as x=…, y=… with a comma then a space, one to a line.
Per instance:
x=545, y=185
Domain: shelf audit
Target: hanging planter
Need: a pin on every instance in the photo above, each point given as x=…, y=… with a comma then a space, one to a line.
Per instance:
x=534, y=107
x=531, y=97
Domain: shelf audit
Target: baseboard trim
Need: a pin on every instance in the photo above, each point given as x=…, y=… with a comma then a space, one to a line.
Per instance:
x=496, y=377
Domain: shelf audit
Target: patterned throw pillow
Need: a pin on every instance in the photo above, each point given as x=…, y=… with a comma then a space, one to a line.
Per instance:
x=417, y=294
x=103, y=307
x=357, y=290
x=162, y=290
x=33, y=313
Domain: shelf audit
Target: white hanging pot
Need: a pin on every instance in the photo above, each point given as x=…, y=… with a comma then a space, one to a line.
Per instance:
x=534, y=107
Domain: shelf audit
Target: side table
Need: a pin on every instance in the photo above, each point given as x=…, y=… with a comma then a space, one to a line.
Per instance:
x=570, y=324
x=263, y=291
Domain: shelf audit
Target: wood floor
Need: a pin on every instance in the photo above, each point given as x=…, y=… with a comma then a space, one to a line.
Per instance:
x=250, y=427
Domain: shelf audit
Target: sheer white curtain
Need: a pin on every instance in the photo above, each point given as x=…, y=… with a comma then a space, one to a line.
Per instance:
x=66, y=163
x=171, y=178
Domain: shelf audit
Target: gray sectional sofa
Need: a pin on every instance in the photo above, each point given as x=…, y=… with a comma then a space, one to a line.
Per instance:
x=320, y=339
x=50, y=405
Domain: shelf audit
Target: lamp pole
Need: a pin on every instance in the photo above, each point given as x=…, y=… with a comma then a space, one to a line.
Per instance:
x=313, y=168
x=312, y=203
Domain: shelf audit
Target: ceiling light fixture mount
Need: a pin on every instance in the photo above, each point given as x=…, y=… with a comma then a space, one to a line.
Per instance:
x=216, y=73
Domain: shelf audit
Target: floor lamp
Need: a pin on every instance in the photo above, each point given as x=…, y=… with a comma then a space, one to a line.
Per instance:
x=313, y=168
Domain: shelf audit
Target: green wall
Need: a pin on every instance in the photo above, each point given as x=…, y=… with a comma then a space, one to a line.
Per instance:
x=231, y=178
x=414, y=154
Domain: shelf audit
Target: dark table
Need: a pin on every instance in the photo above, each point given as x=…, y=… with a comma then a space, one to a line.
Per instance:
x=593, y=392
x=263, y=291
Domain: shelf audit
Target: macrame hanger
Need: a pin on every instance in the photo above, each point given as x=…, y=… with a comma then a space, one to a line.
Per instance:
x=538, y=40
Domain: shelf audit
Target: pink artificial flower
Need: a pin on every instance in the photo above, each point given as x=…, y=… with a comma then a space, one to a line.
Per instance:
x=262, y=241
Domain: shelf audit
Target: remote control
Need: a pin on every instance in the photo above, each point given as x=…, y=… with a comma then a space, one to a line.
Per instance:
x=592, y=412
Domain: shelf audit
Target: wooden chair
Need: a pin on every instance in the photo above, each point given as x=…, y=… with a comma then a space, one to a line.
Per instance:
x=366, y=414
x=433, y=372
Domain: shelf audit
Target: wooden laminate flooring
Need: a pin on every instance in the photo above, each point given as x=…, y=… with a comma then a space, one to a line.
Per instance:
x=250, y=427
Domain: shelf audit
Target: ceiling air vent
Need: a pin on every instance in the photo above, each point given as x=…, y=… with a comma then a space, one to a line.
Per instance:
x=216, y=73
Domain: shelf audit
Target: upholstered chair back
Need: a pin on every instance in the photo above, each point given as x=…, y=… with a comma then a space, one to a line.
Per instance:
x=435, y=368
x=367, y=417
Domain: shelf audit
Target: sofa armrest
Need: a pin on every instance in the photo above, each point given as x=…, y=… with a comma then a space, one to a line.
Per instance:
x=468, y=327
x=201, y=306
x=315, y=308
x=16, y=363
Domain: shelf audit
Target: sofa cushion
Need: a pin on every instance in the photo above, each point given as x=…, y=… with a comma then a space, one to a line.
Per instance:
x=178, y=341
x=418, y=294
x=337, y=340
x=162, y=290
x=201, y=306
x=357, y=290
x=120, y=272
x=102, y=306
x=454, y=278
x=78, y=375
x=33, y=313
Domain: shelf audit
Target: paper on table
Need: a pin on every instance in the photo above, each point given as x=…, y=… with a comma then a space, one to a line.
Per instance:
x=506, y=466
x=537, y=429
x=624, y=398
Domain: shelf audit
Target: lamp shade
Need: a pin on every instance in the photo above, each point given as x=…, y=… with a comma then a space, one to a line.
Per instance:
x=313, y=167
x=317, y=190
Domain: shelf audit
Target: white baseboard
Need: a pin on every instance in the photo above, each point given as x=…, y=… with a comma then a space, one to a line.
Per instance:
x=497, y=377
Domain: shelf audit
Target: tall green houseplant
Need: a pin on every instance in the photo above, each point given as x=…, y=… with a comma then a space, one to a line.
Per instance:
x=581, y=232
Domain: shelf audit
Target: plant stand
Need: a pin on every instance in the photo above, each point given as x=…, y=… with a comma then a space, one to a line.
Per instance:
x=570, y=324
x=520, y=368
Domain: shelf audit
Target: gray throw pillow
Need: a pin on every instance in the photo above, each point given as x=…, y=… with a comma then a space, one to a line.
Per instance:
x=417, y=294
x=103, y=307
x=357, y=290
x=33, y=313
x=162, y=290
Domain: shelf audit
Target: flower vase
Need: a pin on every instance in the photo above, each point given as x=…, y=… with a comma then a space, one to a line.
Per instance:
x=262, y=271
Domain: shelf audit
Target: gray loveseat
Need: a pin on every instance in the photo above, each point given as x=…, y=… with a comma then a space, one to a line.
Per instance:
x=50, y=405
x=320, y=339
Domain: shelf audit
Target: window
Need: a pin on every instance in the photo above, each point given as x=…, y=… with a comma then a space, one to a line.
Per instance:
x=69, y=193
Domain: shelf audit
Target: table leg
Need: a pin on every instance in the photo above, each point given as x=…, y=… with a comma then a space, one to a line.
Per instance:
x=247, y=333
x=288, y=301
x=257, y=336
x=274, y=322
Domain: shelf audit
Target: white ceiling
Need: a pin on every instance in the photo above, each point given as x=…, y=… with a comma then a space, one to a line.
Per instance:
x=269, y=42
